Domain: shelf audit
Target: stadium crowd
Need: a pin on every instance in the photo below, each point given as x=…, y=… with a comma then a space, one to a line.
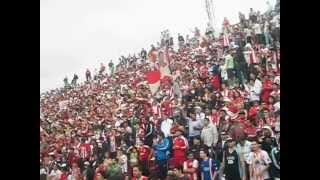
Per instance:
x=215, y=116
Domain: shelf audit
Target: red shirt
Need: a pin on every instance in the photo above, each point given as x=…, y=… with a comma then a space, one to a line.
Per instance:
x=64, y=176
x=250, y=130
x=166, y=108
x=215, y=81
x=180, y=146
x=253, y=111
x=266, y=90
x=144, y=152
x=85, y=150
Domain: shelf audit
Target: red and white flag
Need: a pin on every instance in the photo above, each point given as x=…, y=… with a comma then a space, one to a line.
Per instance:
x=153, y=79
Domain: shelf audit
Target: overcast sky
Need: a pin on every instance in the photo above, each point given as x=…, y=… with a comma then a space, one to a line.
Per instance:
x=79, y=34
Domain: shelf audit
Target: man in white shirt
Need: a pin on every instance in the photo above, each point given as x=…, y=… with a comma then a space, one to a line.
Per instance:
x=258, y=32
x=166, y=125
x=209, y=134
x=243, y=149
x=199, y=114
x=195, y=127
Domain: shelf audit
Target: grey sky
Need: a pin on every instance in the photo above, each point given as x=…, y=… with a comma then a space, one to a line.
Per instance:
x=80, y=34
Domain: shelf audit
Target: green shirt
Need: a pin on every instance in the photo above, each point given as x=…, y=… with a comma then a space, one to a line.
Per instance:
x=229, y=62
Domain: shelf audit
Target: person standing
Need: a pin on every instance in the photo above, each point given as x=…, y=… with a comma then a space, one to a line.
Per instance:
x=144, y=157
x=209, y=134
x=243, y=149
x=231, y=162
x=180, y=147
x=123, y=161
x=74, y=80
x=88, y=173
x=190, y=167
x=229, y=62
x=149, y=133
x=258, y=33
x=162, y=149
x=194, y=127
x=88, y=75
x=259, y=162
x=143, y=54
x=111, y=66
x=208, y=167
x=275, y=157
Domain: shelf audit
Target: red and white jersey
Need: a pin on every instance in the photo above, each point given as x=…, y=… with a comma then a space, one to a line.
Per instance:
x=226, y=93
x=180, y=146
x=191, y=163
x=85, y=150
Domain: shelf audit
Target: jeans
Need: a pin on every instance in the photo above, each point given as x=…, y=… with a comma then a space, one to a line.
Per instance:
x=268, y=38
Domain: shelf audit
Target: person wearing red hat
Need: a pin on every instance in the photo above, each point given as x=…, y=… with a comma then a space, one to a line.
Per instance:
x=180, y=147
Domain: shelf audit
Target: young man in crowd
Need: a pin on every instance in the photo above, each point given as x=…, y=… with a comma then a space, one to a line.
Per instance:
x=209, y=134
x=180, y=147
x=259, y=162
x=208, y=166
x=231, y=164
x=190, y=167
x=275, y=166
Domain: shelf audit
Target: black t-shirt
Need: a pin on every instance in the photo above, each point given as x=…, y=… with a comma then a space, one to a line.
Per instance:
x=232, y=165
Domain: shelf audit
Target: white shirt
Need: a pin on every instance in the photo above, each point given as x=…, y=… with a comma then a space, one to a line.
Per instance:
x=209, y=135
x=193, y=124
x=245, y=150
x=257, y=28
x=254, y=91
x=166, y=126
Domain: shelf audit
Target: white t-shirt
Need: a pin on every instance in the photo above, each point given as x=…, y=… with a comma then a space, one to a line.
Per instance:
x=166, y=126
x=257, y=28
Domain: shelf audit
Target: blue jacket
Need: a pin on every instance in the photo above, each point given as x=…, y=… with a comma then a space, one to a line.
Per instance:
x=162, y=150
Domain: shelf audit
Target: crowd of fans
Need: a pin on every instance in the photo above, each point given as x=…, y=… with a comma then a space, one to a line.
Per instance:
x=216, y=117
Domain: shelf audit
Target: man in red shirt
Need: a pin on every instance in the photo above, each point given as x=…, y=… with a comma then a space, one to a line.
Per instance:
x=84, y=149
x=144, y=152
x=190, y=167
x=137, y=175
x=267, y=85
x=180, y=146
